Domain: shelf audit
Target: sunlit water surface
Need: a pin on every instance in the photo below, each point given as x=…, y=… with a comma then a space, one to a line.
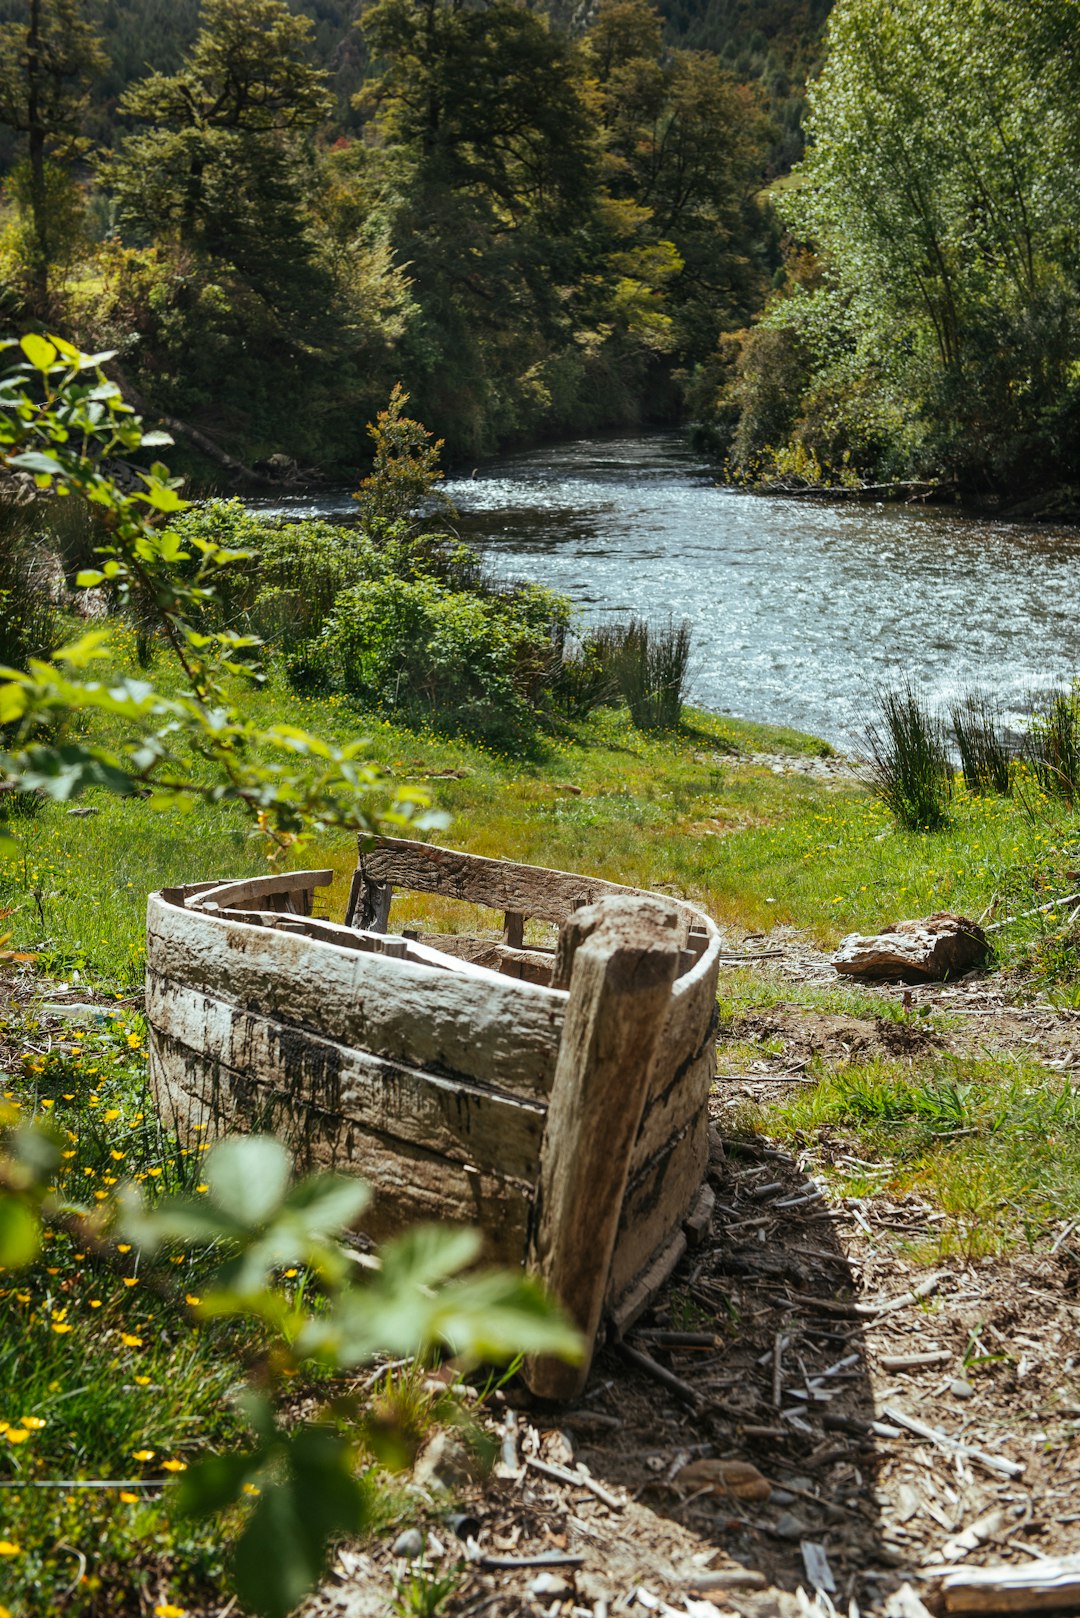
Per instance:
x=799, y=609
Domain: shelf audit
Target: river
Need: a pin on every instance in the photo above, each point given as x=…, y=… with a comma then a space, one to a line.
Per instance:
x=798, y=608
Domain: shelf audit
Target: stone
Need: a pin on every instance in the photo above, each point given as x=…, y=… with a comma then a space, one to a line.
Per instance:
x=961, y=1390
x=552, y=1586
x=926, y=950
x=410, y=1544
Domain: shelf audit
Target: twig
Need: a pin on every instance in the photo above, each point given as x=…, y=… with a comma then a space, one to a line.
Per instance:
x=1055, y=904
x=659, y=1373
x=580, y=1479
x=541, y=1559
x=995, y=1463
x=777, y=1370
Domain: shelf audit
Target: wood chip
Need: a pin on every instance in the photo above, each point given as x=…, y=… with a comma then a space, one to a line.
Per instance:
x=579, y=1480
x=817, y=1566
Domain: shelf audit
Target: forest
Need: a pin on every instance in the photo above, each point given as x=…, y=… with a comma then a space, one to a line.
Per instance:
x=550, y=221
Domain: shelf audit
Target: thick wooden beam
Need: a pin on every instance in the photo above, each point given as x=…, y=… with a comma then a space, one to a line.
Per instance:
x=624, y=955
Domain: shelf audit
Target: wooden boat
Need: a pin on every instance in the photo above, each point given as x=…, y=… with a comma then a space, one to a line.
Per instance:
x=553, y=1096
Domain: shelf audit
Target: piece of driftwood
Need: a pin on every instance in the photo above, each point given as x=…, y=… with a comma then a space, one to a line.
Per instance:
x=456, y=1075
x=919, y=951
x=1043, y=1586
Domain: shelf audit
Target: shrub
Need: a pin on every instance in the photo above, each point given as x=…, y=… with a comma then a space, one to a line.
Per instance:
x=1053, y=745
x=984, y=753
x=425, y=652
x=909, y=764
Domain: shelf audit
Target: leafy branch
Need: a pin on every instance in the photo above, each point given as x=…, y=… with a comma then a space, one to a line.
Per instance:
x=62, y=423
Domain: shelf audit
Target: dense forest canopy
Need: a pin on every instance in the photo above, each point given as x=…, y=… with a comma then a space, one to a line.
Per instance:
x=553, y=219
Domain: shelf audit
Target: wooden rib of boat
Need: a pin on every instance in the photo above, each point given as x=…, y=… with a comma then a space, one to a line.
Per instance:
x=554, y=1097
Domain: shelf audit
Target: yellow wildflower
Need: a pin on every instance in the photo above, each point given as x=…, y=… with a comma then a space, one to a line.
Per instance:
x=174, y=1466
x=129, y=1340
x=143, y=1454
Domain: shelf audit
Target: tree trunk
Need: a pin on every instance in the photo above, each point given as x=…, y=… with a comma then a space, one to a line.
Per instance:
x=39, y=203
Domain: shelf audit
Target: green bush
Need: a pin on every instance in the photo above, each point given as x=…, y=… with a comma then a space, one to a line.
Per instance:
x=411, y=646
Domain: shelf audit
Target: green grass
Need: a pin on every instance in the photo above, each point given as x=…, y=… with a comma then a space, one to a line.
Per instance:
x=100, y=1379
x=991, y=1142
x=687, y=813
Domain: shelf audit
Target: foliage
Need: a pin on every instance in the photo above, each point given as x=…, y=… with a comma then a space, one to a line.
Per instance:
x=412, y=647
x=301, y=1476
x=59, y=421
x=47, y=64
x=944, y=327
x=909, y=764
x=403, y=485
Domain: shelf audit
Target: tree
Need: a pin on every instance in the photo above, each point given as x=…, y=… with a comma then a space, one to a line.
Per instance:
x=217, y=168
x=682, y=155
x=488, y=146
x=939, y=191
x=46, y=67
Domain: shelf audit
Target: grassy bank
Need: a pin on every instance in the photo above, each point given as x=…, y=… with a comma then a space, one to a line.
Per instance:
x=690, y=812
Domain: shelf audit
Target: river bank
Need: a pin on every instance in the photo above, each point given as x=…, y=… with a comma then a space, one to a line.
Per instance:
x=799, y=608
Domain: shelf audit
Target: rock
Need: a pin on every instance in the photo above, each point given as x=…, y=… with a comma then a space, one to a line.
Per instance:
x=920, y=951
x=410, y=1544
x=961, y=1390
x=738, y=1478
x=788, y=1526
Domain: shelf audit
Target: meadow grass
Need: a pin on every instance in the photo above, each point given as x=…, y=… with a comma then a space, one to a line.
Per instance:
x=100, y=1378
x=990, y=1143
x=687, y=812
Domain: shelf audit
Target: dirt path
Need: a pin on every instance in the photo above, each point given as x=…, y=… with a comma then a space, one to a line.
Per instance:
x=798, y=1318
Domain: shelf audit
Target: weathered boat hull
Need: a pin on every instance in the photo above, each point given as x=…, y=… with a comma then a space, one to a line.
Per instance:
x=460, y=1092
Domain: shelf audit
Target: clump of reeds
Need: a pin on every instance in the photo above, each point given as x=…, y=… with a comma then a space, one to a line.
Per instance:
x=908, y=758
x=651, y=667
x=1053, y=745
x=980, y=742
x=637, y=663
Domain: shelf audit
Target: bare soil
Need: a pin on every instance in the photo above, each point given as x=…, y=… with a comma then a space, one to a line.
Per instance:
x=802, y=1312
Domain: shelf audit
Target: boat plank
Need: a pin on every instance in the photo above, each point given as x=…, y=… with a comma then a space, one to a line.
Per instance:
x=411, y=1184
x=499, y=1030
x=657, y=1201
x=525, y=890
x=457, y=1120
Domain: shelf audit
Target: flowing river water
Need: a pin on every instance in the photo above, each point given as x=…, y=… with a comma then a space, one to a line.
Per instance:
x=798, y=608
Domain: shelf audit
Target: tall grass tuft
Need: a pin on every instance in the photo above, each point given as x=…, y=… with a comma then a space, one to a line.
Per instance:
x=980, y=741
x=909, y=763
x=1053, y=745
x=651, y=667
x=635, y=663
